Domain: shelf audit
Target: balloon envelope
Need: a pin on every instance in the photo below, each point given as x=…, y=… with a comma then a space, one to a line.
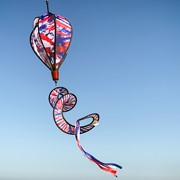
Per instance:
x=50, y=40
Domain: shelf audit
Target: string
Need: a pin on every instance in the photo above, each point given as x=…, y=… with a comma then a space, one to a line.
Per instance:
x=47, y=5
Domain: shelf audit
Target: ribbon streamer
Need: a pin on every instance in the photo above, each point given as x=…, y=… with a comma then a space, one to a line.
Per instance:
x=109, y=167
x=62, y=101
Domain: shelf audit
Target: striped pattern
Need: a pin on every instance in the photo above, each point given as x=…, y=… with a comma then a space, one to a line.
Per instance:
x=62, y=101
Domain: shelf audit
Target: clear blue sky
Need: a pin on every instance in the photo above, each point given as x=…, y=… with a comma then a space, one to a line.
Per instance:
x=123, y=63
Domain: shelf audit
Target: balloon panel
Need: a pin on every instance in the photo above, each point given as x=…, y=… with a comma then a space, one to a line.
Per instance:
x=38, y=47
x=47, y=35
x=63, y=38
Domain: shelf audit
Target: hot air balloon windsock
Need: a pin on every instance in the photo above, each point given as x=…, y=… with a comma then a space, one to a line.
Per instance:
x=50, y=40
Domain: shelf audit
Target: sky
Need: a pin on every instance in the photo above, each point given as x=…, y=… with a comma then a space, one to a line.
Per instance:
x=123, y=63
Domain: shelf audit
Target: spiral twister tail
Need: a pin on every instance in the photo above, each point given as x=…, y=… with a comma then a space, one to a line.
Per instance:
x=62, y=101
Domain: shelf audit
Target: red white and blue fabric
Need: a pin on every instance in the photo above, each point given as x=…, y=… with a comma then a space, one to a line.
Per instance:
x=62, y=101
x=51, y=38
